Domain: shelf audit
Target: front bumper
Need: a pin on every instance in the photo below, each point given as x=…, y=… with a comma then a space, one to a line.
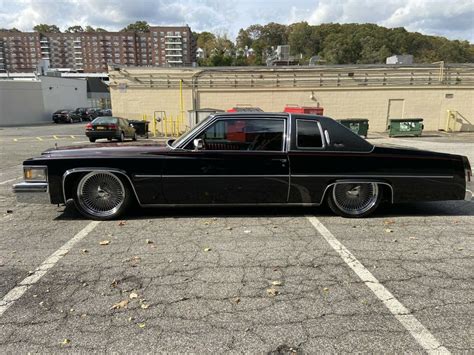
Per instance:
x=32, y=192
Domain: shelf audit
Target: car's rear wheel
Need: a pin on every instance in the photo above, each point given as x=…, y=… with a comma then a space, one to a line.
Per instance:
x=102, y=195
x=354, y=200
x=122, y=137
x=92, y=140
x=134, y=136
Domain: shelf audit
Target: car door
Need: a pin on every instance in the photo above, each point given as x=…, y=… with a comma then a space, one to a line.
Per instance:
x=309, y=161
x=243, y=161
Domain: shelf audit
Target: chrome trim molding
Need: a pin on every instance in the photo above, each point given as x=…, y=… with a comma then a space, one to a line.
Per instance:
x=469, y=196
x=376, y=176
x=107, y=170
x=305, y=204
x=32, y=192
x=222, y=176
x=147, y=176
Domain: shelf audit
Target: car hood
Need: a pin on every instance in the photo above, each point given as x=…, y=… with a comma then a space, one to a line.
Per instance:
x=107, y=149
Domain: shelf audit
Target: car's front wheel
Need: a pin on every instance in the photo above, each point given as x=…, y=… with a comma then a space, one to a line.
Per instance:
x=122, y=137
x=102, y=195
x=354, y=199
x=92, y=140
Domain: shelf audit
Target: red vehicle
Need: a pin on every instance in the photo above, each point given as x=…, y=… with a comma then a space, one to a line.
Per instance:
x=313, y=110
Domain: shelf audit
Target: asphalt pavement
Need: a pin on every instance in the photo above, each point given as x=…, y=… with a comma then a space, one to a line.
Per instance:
x=259, y=280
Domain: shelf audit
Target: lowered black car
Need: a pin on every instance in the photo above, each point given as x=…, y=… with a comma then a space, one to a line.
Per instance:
x=247, y=159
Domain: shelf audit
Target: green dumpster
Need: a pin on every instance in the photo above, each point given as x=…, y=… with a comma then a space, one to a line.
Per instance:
x=359, y=126
x=403, y=127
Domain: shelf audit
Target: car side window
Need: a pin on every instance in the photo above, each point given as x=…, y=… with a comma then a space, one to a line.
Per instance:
x=244, y=134
x=308, y=134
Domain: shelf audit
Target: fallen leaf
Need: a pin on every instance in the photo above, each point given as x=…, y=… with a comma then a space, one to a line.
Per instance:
x=9, y=211
x=247, y=231
x=236, y=300
x=326, y=289
x=388, y=230
x=412, y=238
x=389, y=221
x=122, y=223
x=121, y=304
x=133, y=295
x=149, y=241
x=229, y=228
x=66, y=341
x=207, y=249
x=272, y=292
x=144, y=306
x=141, y=325
x=277, y=283
x=395, y=240
x=85, y=251
x=104, y=242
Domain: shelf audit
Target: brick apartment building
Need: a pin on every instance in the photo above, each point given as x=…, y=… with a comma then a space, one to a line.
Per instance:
x=91, y=52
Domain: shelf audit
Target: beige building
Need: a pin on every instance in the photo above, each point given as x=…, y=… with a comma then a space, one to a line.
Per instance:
x=378, y=93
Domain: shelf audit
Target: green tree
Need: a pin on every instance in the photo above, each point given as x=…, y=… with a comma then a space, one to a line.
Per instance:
x=138, y=26
x=45, y=28
x=74, y=29
x=303, y=39
x=243, y=39
x=9, y=29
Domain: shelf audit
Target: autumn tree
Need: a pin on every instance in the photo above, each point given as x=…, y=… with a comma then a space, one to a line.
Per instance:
x=45, y=28
x=138, y=26
x=74, y=29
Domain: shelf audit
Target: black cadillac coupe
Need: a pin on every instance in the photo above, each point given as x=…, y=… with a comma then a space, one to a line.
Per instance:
x=246, y=159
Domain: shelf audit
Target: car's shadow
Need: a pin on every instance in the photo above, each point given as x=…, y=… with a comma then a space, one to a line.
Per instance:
x=422, y=209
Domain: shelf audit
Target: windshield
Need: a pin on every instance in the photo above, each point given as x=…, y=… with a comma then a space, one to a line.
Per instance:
x=187, y=134
x=104, y=120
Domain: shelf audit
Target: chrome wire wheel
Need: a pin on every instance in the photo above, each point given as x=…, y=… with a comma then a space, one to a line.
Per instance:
x=101, y=194
x=355, y=199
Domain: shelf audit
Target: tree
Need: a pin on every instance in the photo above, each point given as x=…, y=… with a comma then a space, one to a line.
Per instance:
x=45, y=28
x=74, y=29
x=138, y=26
x=14, y=29
x=303, y=39
x=206, y=41
x=243, y=39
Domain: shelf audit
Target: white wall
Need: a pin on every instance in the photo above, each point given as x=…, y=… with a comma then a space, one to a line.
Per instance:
x=64, y=93
x=25, y=102
x=21, y=102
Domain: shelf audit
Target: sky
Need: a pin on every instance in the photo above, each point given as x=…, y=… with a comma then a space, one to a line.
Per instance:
x=453, y=19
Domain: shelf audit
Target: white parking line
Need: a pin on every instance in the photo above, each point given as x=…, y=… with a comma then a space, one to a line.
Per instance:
x=11, y=180
x=11, y=297
x=422, y=335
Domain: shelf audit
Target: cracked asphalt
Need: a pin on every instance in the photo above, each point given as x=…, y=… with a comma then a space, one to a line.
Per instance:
x=231, y=280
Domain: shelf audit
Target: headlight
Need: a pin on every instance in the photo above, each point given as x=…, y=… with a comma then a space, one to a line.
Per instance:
x=35, y=173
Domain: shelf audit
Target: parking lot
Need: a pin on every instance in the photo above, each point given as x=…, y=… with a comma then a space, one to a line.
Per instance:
x=278, y=280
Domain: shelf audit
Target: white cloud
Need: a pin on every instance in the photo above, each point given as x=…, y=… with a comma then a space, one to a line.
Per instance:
x=454, y=19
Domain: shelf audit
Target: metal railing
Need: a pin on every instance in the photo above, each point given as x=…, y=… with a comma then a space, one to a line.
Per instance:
x=301, y=77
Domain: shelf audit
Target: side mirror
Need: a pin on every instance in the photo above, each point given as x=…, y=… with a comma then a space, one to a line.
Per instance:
x=130, y=124
x=198, y=144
